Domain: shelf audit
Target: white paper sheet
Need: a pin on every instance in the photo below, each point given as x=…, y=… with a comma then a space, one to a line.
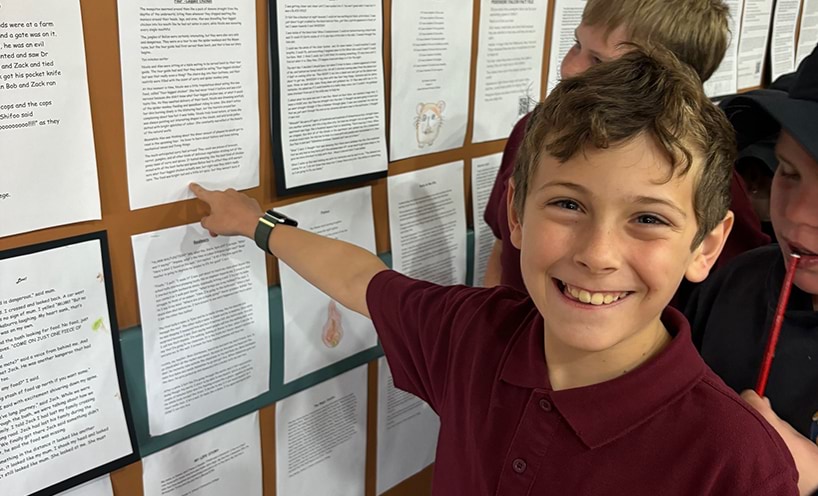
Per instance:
x=431, y=55
x=509, y=65
x=427, y=224
x=190, y=96
x=724, y=81
x=96, y=487
x=808, y=34
x=205, y=323
x=752, y=47
x=319, y=331
x=223, y=461
x=782, y=45
x=60, y=402
x=567, y=16
x=48, y=170
x=407, y=432
x=483, y=172
x=321, y=438
x=332, y=99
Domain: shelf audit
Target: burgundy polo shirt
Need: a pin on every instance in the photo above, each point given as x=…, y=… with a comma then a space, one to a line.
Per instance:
x=745, y=236
x=669, y=427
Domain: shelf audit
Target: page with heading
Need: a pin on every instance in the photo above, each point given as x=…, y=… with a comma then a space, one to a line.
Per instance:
x=427, y=224
x=509, y=65
x=321, y=438
x=431, y=64
x=319, y=331
x=222, y=461
x=190, y=97
x=62, y=413
x=483, y=172
x=203, y=304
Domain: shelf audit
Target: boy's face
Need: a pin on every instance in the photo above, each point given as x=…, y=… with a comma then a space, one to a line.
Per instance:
x=605, y=241
x=591, y=47
x=794, y=209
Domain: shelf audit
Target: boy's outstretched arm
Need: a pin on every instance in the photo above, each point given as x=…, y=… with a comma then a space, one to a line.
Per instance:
x=339, y=269
x=804, y=451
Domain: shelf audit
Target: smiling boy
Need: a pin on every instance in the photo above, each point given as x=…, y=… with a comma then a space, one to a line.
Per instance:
x=590, y=386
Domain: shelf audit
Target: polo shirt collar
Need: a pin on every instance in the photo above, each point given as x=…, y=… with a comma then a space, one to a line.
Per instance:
x=601, y=413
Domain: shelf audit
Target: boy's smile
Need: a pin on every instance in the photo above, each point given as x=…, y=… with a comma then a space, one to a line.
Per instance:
x=605, y=240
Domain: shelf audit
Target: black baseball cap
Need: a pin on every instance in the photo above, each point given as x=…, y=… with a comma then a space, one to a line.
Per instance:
x=760, y=114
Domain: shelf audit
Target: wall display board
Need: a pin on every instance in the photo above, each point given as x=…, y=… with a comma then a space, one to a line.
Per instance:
x=312, y=82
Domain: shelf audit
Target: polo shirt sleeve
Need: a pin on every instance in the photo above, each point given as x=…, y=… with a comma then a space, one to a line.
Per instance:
x=419, y=325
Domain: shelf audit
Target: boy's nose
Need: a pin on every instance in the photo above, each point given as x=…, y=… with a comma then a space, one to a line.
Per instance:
x=597, y=252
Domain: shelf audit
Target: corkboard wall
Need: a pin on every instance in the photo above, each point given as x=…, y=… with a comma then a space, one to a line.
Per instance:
x=105, y=86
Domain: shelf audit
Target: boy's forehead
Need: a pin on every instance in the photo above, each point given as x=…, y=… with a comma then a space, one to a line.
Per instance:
x=604, y=38
x=634, y=165
x=789, y=149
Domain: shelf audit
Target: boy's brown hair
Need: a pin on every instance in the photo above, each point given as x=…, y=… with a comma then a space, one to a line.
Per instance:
x=696, y=31
x=639, y=93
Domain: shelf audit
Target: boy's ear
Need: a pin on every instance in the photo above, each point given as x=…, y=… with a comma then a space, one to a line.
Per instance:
x=708, y=251
x=514, y=221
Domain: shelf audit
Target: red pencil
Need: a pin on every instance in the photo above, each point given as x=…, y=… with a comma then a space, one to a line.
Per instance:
x=775, y=330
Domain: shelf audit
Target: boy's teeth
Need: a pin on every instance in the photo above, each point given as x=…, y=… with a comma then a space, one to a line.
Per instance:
x=593, y=298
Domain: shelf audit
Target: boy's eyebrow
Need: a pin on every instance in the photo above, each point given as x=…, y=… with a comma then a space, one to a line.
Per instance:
x=650, y=200
x=565, y=184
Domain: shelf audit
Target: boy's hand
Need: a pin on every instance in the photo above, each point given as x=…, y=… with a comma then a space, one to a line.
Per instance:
x=231, y=212
x=804, y=451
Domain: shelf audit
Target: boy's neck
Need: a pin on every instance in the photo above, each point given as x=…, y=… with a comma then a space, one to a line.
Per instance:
x=570, y=368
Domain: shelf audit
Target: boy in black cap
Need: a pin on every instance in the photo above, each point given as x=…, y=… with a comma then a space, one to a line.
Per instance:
x=731, y=313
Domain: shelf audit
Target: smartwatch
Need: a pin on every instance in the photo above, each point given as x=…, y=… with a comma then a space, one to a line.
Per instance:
x=266, y=224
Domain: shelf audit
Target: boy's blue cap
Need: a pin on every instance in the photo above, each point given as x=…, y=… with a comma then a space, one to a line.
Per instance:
x=763, y=113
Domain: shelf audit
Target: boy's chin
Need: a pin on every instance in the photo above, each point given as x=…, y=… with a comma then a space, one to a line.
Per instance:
x=584, y=340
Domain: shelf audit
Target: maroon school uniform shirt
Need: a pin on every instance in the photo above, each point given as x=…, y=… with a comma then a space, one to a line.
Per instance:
x=669, y=427
x=745, y=236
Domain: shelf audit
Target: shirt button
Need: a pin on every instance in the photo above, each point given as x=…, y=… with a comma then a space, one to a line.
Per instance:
x=545, y=405
x=518, y=465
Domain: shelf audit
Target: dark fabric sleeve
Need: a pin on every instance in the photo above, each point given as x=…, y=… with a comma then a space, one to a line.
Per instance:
x=697, y=311
x=494, y=215
x=419, y=324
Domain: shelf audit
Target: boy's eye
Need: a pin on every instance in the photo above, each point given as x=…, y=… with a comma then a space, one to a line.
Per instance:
x=596, y=60
x=788, y=172
x=567, y=204
x=650, y=220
